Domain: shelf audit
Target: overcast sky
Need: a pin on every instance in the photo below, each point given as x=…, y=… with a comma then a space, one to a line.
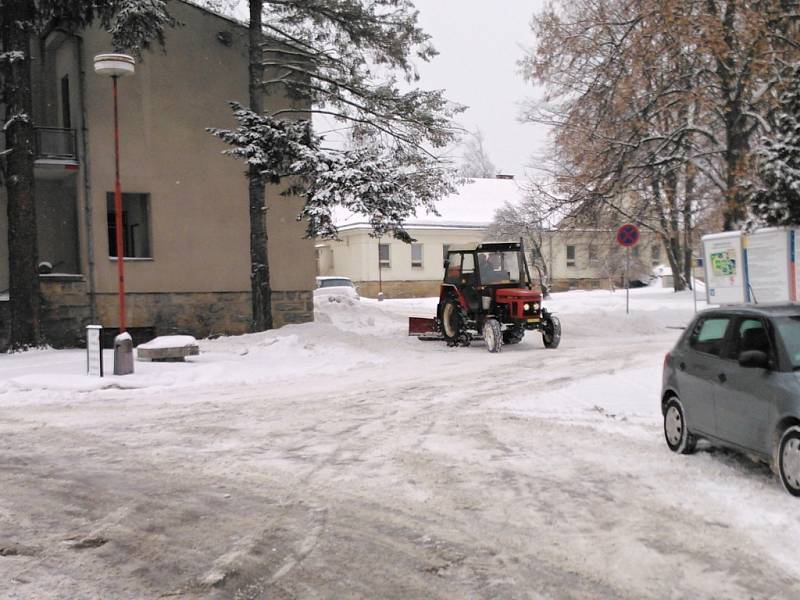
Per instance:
x=480, y=43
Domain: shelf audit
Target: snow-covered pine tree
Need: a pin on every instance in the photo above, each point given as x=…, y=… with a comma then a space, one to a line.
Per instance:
x=341, y=59
x=132, y=25
x=775, y=200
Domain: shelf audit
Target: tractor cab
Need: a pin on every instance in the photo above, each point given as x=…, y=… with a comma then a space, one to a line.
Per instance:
x=499, y=264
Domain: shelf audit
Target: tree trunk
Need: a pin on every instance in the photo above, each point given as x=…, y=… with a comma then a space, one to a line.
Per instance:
x=669, y=230
x=688, y=228
x=259, y=255
x=22, y=244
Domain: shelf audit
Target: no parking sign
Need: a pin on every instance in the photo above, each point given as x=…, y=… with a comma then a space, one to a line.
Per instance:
x=628, y=235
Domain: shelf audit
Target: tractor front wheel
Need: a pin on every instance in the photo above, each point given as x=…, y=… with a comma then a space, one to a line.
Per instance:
x=551, y=333
x=492, y=335
x=452, y=322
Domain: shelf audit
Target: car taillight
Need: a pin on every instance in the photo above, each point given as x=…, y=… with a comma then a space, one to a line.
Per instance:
x=666, y=360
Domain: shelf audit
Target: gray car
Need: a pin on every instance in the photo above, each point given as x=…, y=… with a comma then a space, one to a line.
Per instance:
x=733, y=379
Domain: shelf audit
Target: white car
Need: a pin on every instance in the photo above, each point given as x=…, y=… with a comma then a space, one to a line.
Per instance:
x=336, y=288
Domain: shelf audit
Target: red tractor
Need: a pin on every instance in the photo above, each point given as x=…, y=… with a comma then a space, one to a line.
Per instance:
x=487, y=292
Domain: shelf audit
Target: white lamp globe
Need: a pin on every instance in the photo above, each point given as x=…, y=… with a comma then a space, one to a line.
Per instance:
x=114, y=65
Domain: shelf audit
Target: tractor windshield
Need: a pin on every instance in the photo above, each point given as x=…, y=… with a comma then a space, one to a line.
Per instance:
x=500, y=267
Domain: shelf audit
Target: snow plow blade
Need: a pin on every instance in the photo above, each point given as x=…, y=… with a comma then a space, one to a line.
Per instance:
x=424, y=329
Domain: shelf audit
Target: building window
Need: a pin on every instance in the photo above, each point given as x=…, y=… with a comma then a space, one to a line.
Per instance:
x=135, y=225
x=66, y=116
x=592, y=251
x=416, y=255
x=655, y=255
x=383, y=256
x=570, y=256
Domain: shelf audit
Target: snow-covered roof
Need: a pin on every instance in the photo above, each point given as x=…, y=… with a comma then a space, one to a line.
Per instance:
x=471, y=207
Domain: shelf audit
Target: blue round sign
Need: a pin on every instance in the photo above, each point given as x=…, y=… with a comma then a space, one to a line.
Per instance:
x=628, y=235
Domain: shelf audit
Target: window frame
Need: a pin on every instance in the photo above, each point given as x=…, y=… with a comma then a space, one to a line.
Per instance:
x=111, y=226
x=387, y=262
x=655, y=255
x=593, y=254
x=421, y=262
x=571, y=262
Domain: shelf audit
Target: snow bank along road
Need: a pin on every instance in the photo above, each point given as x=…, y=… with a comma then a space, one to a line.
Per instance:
x=341, y=459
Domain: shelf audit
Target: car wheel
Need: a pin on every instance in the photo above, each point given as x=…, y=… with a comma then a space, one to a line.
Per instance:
x=451, y=320
x=789, y=460
x=676, y=432
x=492, y=335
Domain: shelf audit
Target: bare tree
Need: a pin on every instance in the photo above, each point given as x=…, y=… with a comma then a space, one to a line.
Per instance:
x=526, y=221
x=475, y=162
x=642, y=124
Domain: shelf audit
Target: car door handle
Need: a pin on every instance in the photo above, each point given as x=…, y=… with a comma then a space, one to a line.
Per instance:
x=722, y=378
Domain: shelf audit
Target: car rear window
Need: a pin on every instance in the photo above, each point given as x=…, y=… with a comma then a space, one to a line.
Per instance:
x=336, y=283
x=708, y=336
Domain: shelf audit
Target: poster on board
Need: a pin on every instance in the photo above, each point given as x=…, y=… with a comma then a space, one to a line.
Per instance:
x=769, y=265
x=724, y=266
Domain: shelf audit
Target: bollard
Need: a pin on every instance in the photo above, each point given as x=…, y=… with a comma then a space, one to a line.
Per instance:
x=123, y=354
x=380, y=296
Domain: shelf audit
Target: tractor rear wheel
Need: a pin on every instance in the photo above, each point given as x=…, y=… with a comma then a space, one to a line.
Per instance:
x=492, y=335
x=551, y=334
x=452, y=323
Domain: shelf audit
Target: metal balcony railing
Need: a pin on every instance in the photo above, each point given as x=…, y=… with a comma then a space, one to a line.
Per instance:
x=55, y=143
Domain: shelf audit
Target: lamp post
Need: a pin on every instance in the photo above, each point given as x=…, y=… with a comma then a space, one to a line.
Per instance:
x=116, y=66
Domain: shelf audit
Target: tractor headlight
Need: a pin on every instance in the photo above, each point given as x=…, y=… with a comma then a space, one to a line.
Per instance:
x=526, y=307
x=535, y=306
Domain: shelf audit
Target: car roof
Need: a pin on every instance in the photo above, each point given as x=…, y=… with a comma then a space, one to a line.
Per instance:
x=326, y=277
x=782, y=309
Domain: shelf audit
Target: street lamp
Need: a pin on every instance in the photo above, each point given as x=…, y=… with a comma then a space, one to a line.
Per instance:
x=116, y=66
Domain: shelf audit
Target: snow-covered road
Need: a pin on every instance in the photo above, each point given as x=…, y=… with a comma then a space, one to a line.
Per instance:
x=341, y=459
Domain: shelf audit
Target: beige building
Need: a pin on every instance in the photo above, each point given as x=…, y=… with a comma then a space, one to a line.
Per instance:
x=187, y=259
x=584, y=258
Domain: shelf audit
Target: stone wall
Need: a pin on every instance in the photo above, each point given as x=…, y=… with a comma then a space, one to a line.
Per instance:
x=603, y=283
x=65, y=310
x=202, y=314
x=400, y=289
x=430, y=289
x=292, y=307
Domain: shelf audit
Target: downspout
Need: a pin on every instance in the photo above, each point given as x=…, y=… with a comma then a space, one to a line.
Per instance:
x=87, y=187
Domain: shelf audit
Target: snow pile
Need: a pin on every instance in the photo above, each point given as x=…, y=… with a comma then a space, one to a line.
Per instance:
x=346, y=336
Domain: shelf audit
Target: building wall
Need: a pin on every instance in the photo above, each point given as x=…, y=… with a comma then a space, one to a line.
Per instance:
x=198, y=198
x=356, y=256
x=607, y=265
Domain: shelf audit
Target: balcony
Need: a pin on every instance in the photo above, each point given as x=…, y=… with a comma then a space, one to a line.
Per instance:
x=55, y=144
x=56, y=154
